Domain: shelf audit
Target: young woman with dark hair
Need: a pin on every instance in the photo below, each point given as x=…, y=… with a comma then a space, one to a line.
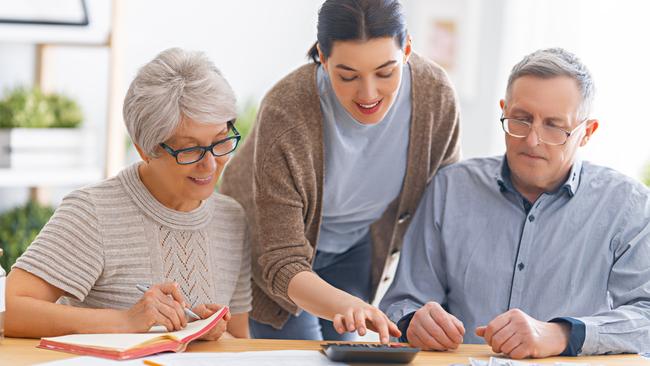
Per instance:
x=334, y=168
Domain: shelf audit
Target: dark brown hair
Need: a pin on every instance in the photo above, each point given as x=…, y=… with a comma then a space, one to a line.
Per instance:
x=344, y=20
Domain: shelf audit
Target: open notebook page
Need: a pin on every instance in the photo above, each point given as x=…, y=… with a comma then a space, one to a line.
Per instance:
x=125, y=341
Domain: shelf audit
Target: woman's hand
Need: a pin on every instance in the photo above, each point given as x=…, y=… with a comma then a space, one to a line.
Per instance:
x=348, y=313
x=162, y=305
x=205, y=311
x=361, y=316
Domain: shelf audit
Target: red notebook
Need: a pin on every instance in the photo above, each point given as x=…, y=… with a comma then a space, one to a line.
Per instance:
x=121, y=346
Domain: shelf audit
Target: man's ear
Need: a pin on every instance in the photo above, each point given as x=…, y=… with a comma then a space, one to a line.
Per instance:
x=592, y=126
x=502, y=104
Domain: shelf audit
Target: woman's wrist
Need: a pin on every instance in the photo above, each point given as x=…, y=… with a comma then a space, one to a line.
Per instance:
x=118, y=321
x=351, y=301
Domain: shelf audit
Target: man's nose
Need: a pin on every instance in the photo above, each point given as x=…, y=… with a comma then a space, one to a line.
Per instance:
x=533, y=137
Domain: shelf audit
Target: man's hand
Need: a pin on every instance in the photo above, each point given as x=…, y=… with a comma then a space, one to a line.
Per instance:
x=518, y=335
x=432, y=328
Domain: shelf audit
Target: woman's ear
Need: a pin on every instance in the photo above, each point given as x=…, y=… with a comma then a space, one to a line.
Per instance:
x=407, y=48
x=143, y=156
x=321, y=56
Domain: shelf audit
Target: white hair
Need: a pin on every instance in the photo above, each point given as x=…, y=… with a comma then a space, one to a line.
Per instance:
x=176, y=84
x=552, y=62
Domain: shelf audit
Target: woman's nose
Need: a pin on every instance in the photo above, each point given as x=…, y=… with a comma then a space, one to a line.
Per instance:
x=367, y=90
x=209, y=162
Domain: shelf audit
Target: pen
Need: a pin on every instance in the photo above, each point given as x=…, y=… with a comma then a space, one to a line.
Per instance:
x=151, y=363
x=189, y=313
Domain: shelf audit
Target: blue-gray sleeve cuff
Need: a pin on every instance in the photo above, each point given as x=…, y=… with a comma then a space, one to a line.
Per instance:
x=576, y=335
x=403, y=325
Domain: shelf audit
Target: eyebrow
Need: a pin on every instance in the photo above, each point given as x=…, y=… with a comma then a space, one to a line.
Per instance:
x=555, y=119
x=346, y=67
x=180, y=139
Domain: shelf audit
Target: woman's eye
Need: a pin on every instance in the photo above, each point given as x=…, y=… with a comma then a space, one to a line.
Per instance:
x=385, y=75
x=347, y=79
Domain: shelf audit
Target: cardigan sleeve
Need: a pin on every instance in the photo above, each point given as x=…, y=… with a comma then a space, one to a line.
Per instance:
x=449, y=119
x=283, y=187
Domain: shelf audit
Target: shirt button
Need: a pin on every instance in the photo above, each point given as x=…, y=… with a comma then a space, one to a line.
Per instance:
x=531, y=218
x=403, y=217
x=520, y=266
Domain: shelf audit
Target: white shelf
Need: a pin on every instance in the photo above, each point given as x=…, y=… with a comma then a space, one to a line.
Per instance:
x=48, y=177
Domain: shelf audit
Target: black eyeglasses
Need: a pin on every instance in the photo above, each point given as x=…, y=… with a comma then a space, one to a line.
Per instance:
x=193, y=154
x=547, y=134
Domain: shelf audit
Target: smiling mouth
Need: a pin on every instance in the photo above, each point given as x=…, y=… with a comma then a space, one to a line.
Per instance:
x=369, y=108
x=201, y=181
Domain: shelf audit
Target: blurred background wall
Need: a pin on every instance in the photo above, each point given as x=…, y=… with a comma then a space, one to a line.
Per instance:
x=256, y=42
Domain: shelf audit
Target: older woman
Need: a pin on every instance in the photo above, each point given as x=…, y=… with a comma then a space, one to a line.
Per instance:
x=158, y=222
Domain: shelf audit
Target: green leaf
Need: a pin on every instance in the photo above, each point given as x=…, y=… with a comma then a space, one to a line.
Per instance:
x=18, y=229
x=23, y=107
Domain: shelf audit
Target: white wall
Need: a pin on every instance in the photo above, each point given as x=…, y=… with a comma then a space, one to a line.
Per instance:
x=609, y=36
x=480, y=32
x=256, y=42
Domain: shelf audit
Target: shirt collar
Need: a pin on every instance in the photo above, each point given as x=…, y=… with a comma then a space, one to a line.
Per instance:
x=571, y=185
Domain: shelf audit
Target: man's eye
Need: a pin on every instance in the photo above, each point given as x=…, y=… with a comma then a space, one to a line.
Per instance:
x=385, y=76
x=347, y=79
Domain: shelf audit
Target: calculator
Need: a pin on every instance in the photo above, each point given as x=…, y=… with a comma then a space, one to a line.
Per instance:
x=369, y=352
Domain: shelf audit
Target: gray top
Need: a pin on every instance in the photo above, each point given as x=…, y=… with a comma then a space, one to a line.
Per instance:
x=364, y=165
x=582, y=252
x=106, y=238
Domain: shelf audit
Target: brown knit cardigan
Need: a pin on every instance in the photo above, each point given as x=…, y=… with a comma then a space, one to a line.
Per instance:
x=277, y=176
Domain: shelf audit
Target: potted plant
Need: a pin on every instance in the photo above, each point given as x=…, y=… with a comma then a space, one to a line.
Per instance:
x=19, y=227
x=38, y=130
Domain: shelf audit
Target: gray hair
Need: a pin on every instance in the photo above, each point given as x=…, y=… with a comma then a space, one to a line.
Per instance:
x=176, y=84
x=553, y=62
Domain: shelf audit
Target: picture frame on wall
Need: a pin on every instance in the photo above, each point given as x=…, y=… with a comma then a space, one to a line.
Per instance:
x=44, y=12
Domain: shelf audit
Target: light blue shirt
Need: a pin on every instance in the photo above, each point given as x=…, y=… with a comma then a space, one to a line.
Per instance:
x=364, y=165
x=477, y=247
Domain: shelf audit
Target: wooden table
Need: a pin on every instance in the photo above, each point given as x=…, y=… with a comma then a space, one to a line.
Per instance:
x=18, y=352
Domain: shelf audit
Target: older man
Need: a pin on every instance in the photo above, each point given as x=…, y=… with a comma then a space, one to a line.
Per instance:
x=536, y=253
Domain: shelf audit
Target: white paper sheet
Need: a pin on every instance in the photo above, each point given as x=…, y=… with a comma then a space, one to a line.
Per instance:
x=265, y=358
x=497, y=361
